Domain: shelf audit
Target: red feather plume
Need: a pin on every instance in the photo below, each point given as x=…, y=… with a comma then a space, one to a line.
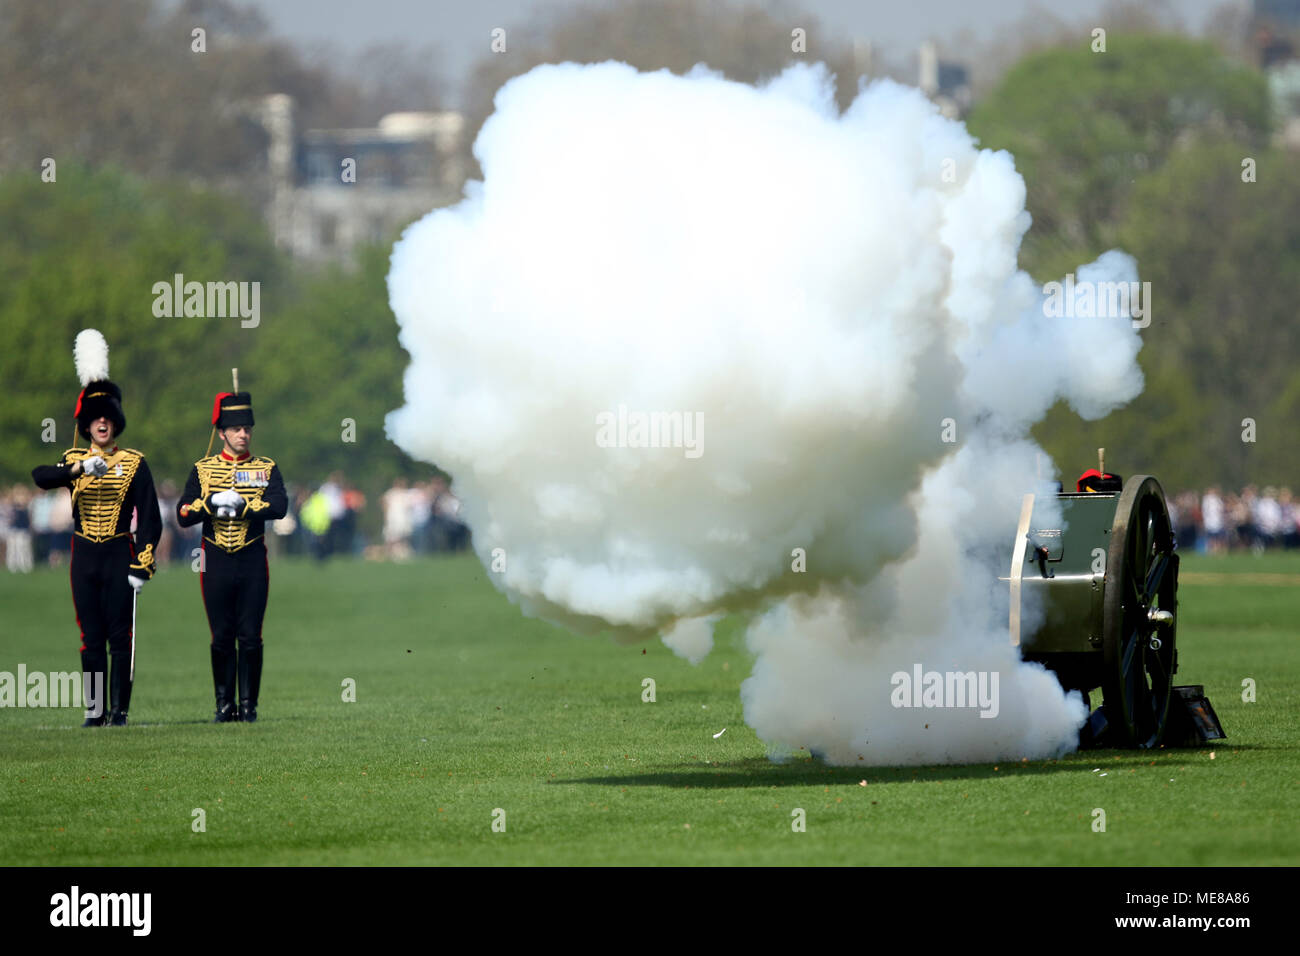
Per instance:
x=216, y=405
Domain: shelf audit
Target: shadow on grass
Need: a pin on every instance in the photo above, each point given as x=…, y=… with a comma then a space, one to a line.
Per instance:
x=801, y=772
x=804, y=772
x=209, y=720
x=190, y=722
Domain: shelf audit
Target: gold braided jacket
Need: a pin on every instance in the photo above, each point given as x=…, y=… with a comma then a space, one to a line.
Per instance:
x=102, y=506
x=256, y=479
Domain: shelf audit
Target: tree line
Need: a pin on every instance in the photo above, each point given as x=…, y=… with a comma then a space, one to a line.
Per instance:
x=1161, y=145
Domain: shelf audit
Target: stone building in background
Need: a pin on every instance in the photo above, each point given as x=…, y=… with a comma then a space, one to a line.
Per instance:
x=332, y=190
x=1275, y=30
x=944, y=82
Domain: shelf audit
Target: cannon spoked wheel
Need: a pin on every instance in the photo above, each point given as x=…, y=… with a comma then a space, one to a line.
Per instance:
x=1138, y=616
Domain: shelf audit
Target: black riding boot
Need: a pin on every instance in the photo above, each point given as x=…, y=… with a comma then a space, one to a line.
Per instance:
x=119, y=683
x=223, y=681
x=94, y=685
x=250, y=680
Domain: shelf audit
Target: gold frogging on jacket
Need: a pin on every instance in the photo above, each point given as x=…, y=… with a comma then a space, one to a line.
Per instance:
x=250, y=478
x=99, y=500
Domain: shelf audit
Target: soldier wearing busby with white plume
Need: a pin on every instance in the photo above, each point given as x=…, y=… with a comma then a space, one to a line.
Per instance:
x=234, y=493
x=109, y=485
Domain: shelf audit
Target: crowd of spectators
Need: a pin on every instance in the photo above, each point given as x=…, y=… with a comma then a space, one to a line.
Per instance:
x=1215, y=522
x=35, y=527
x=420, y=518
x=323, y=522
x=423, y=517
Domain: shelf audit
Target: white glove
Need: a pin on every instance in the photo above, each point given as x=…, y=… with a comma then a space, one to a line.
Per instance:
x=135, y=582
x=228, y=499
x=94, y=466
x=224, y=512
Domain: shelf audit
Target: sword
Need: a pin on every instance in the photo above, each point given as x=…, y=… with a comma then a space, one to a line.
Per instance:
x=135, y=595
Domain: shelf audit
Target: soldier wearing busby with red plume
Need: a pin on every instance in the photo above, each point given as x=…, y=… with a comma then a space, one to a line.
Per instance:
x=234, y=493
x=110, y=485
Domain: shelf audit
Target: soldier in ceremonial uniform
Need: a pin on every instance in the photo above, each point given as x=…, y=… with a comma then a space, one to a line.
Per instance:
x=109, y=485
x=234, y=493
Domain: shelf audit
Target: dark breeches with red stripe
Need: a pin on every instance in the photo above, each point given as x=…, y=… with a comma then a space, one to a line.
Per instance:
x=235, y=590
x=101, y=595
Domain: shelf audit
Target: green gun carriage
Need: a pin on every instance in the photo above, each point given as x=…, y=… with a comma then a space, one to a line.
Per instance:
x=1094, y=598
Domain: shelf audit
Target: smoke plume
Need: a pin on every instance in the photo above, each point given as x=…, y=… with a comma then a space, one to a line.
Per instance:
x=693, y=347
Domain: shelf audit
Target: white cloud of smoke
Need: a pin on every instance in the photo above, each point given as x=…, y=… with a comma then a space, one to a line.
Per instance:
x=817, y=294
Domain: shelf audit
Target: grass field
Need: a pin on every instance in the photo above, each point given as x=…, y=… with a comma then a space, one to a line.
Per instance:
x=463, y=706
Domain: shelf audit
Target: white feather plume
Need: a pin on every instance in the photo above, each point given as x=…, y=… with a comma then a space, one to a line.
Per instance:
x=90, y=352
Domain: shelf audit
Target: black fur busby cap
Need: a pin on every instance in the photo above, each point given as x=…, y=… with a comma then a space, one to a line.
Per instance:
x=232, y=408
x=99, y=398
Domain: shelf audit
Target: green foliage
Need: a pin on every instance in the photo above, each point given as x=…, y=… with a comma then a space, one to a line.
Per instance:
x=1141, y=148
x=1223, y=260
x=1161, y=433
x=1084, y=127
x=86, y=251
x=331, y=357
